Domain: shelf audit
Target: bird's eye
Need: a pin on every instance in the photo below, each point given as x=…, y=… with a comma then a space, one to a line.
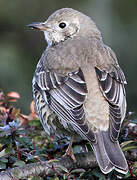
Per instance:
x=62, y=25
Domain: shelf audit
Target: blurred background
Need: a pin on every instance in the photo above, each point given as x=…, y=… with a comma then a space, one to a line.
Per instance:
x=20, y=48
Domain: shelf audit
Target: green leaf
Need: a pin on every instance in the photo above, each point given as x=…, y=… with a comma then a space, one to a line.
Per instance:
x=133, y=121
x=78, y=149
x=98, y=174
x=25, y=141
x=35, y=178
x=62, y=168
x=2, y=165
x=53, y=160
x=10, y=150
x=19, y=163
x=78, y=171
x=125, y=143
x=12, y=159
x=56, y=178
x=128, y=175
x=135, y=165
x=6, y=140
x=129, y=148
x=3, y=153
x=6, y=151
x=35, y=123
x=3, y=159
x=20, y=132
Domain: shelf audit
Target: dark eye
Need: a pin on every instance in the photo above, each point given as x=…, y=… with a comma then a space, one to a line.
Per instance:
x=62, y=25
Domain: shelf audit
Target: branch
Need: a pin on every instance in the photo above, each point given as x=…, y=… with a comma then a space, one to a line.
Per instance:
x=60, y=166
x=64, y=164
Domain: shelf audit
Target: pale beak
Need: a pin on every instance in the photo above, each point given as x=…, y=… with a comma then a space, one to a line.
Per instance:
x=38, y=25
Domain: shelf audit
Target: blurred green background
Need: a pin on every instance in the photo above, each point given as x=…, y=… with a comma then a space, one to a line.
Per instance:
x=20, y=48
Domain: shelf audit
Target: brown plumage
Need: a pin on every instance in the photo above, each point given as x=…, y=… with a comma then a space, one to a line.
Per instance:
x=78, y=80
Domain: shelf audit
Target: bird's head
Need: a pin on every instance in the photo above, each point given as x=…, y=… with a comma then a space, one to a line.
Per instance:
x=66, y=23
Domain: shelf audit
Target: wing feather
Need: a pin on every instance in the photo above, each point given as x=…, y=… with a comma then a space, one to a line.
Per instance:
x=66, y=97
x=112, y=87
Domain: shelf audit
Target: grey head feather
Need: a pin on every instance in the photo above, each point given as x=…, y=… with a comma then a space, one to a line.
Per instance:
x=77, y=24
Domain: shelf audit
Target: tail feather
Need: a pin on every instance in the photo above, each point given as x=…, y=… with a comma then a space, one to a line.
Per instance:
x=109, y=154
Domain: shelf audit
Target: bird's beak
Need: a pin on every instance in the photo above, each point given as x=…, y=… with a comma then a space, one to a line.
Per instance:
x=38, y=25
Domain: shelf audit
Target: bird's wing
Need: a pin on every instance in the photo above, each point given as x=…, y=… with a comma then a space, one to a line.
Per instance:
x=112, y=87
x=65, y=96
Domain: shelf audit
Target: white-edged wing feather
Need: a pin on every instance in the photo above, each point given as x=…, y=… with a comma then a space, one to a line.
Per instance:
x=65, y=96
x=112, y=87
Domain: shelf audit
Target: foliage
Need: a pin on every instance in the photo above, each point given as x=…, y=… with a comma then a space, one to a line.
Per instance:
x=23, y=141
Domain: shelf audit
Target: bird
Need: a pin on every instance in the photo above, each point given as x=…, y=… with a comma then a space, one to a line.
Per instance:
x=79, y=87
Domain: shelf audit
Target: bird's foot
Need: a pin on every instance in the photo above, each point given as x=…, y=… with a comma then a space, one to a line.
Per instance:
x=69, y=151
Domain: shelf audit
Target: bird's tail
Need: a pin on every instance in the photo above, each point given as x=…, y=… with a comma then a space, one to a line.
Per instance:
x=109, y=154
